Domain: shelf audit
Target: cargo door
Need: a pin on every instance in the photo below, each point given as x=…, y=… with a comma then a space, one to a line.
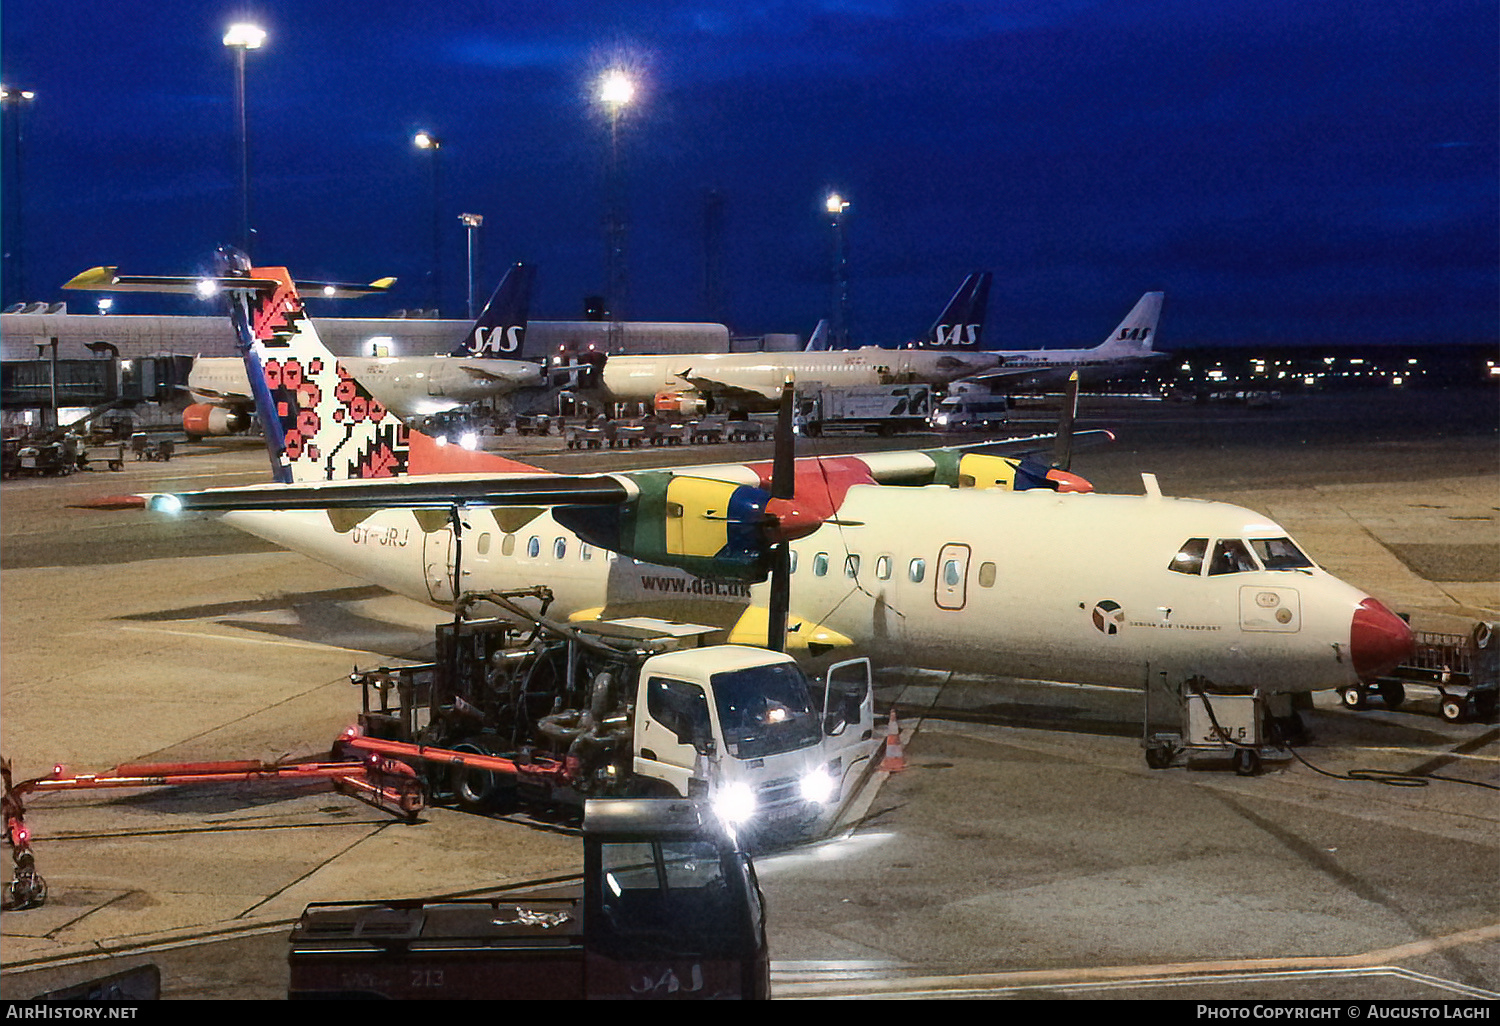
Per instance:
x=437, y=558
x=951, y=587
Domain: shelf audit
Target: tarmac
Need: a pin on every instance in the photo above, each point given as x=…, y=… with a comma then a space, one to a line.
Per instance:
x=1009, y=847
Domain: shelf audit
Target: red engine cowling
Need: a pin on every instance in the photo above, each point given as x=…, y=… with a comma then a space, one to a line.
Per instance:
x=201, y=420
x=686, y=404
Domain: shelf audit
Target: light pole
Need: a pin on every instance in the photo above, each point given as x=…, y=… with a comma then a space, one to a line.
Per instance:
x=425, y=140
x=838, y=336
x=14, y=102
x=616, y=90
x=472, y=223
x=242, y=37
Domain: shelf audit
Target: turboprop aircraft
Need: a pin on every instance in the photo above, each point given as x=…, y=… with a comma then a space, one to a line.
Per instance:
x=490, y=363
x=944, y=558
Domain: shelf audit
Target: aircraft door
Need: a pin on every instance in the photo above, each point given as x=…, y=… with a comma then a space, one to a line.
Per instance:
x=438, y=554
x=848, y=712
x=1270, y=608
x=951, y=586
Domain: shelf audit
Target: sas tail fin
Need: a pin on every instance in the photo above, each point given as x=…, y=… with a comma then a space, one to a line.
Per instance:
x=961, y=324
x=1136, y=334
x=500, y=329
x=817, y=342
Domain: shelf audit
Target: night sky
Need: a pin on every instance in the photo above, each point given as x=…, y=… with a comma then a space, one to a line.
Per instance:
x=1320, y=172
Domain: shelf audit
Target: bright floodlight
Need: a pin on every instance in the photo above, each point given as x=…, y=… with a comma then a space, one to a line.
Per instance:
x=836, y=203
x=245, y=35
x=207, y=287
x=616, y=89
x=427, y=141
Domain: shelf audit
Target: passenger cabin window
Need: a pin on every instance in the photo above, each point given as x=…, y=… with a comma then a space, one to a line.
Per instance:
x=1280, y=554
x=1189, y=558
x=986, y=575
x=585, y=552
x=851, y=565
x=1231, y=556
x=820, y=564
x=792, y=562
x=483, y=545
x=917, y=570
x=883, y=568
x=559, y=548
x=534, y=546
x=508, y=545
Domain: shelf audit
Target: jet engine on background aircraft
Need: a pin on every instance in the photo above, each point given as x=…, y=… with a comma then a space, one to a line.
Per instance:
x=685, y=404
x=202, y=420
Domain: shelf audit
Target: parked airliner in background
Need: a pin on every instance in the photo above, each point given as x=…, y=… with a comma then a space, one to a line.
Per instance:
x=691, y=384
x=490, y=363
x=927, y=558
x=1125, y=351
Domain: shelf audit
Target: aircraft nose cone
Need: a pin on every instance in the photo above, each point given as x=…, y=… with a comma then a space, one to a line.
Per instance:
x=1379, y=640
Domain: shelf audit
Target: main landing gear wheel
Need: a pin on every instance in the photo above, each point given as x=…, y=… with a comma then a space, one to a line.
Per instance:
x=1159, y=757
x=1246, y=762
x=1393, y=695
x=1353, y=696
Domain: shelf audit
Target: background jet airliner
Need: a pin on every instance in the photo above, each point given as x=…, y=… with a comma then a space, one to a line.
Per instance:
x=710, y=382
x=973, y=576
x=490, y=363
x=1126, y=350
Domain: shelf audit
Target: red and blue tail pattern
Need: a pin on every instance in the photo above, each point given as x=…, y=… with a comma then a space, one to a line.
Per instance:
x=322, y=424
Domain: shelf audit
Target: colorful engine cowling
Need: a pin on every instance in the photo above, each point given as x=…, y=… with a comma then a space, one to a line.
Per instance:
x=713, y=529
x=202, y=420
x=685, y=404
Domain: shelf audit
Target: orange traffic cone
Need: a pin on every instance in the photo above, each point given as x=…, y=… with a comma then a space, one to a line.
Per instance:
x=895, y=758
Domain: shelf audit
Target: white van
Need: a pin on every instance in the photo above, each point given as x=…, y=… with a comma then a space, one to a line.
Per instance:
x=969, y=412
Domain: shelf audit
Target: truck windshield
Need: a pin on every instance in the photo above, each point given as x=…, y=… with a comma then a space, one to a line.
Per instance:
x=765, y=710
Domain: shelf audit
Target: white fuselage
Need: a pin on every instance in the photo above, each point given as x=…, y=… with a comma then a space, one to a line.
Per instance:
x=741, y=377
x=411, y=386
x=1037, y=584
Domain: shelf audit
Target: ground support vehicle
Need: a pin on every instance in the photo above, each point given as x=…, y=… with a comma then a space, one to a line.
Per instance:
x=522, y=710
x=970, y=411
x=53, y=456
x=882, y=409
x=1214, y=726
x=668, y=907
x=1463, y=670
x=154, y=452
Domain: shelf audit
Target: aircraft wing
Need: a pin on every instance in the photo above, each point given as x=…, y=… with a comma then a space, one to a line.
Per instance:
x=437, y=491
x=109, y=279
x=706, y=384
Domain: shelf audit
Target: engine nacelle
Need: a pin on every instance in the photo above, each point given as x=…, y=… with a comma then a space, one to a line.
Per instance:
x=201, y=420
x=683, y=404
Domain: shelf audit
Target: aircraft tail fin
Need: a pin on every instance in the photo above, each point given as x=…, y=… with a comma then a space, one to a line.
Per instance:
x=961, y=324
x=1136, y=334
x=320, y=424
x=500, y=329
x=817, y=342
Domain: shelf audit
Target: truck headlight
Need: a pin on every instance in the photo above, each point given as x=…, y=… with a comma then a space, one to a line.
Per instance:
x=734, y=803
x=818, y=786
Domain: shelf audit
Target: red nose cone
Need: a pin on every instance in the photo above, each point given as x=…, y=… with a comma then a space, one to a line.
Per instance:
x=1067, y=482
x=1379, y=640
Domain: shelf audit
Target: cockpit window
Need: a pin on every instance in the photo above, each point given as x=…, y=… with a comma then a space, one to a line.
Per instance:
x=1189, y=558
x=1280, y=554
x=1231, y=556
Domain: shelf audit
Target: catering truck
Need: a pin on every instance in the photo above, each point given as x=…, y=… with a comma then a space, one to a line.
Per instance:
x=554, y=714
x=878, y=409
x=668, y=907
